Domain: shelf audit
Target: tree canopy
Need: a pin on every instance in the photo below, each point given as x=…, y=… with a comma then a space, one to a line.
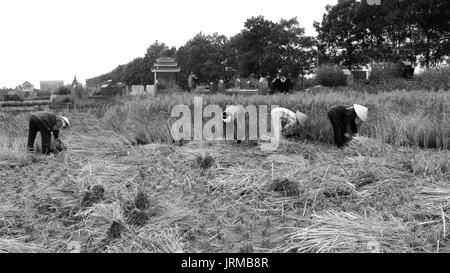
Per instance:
x=353, y=33
x=263, y=47
x=350, y=34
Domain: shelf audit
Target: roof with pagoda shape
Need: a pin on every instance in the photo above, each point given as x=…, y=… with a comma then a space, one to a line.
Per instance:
x=165, y=64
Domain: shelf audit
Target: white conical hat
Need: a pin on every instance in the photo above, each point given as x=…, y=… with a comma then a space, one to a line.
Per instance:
x=66, y=120
x=301, y=118
x=361, y=111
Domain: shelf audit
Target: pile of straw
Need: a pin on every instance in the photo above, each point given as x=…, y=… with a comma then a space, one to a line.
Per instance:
x=100, y=145
x=237, y=181
x=15, y=246
x=367, y=147
x=13, y=158
x=436, y=200
x=334, y=231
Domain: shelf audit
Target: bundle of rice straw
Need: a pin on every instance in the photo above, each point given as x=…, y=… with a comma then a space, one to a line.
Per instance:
x=14, y=246
x=333, y=231
x=11, y=158
x=239, y=180
x=434, y=199
x=108, y=143
x=55, y=146
x=361, y=145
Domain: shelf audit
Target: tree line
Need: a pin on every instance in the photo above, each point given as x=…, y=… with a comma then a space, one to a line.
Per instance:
x=355, y=33
x=350, y=34
x=262, y=48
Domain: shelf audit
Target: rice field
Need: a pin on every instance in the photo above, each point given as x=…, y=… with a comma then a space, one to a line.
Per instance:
x=124, y=186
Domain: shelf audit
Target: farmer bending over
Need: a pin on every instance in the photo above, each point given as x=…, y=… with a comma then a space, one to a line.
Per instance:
x=288, y=121
x=45, y=123
x=232, y=114
x=346, y=121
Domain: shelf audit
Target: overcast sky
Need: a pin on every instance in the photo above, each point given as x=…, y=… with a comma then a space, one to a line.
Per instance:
x=58, y=39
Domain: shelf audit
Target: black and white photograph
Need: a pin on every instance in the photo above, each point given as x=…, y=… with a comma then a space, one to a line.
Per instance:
x=245, y=128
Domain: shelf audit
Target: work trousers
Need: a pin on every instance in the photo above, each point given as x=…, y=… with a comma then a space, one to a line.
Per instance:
x=36, y=125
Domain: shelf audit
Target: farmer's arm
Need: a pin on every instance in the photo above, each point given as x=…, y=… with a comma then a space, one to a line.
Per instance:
x=59, y=124
x=354, y=127
x=290, y=122
x=56, y=134
x=350, y=129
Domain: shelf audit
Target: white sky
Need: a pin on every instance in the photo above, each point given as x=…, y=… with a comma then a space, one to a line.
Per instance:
x=58, y=39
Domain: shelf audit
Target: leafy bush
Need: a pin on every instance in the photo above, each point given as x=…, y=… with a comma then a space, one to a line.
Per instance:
x=95, y=91
x=389, y=79
x=65, y=100
x=436, y=79
x=63, y=90
x=307, y=83
x=43, y=94
x=26, y=95
x=329, y=75
x=62, y=99
x=387, y=71
x=81, y=92
x=378, y=74
x=375, y=86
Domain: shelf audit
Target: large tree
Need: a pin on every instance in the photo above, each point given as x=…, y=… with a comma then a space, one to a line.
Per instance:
x=352, y=33
x=205, y=56
x=265, y=47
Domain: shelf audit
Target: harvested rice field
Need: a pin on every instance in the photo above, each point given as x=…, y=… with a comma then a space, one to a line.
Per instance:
x=107, y=194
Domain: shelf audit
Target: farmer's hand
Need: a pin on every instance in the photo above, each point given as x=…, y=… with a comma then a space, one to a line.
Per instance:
x=59, y=145
x=347, y=135
x=288, y=131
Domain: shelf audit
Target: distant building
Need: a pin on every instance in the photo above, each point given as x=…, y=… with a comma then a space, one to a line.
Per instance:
x=76, y=84
x=168, y=69
x=110, y=89
x=76, y=88
x=51, y=86
x=27, y=87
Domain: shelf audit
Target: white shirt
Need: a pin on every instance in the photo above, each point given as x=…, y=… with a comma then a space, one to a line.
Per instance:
x=232, y=112
x=285, y=115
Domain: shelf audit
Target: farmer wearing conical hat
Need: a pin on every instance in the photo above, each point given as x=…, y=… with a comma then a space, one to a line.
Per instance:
x=287, y=119
x=46, y=123
x=346, y=121
x=284, y=122
x=231, y=114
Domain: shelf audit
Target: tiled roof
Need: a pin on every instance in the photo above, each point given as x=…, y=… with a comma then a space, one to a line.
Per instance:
x=165, y=60
x=166, y=69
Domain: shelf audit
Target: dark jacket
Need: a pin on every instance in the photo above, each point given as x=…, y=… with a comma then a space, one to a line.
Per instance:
x=276, y=85
x=51, y=121
x=342, y=119
x=287, y=86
